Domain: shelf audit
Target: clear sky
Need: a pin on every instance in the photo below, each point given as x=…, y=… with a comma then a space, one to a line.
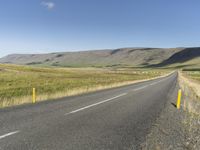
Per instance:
x=37, y=26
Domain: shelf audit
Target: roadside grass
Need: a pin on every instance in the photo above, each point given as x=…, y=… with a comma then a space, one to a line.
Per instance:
x=189, y=80
x=190, y=84
x=193, y=74
x=16, y=82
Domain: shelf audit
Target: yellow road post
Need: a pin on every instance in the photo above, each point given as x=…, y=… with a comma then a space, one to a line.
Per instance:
x=178, y=103
x=34, y=95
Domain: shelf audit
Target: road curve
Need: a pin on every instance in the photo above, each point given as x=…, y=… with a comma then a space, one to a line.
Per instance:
x=113, y=119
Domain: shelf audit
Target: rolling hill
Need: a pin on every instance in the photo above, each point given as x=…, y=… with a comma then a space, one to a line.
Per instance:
x=122, y=57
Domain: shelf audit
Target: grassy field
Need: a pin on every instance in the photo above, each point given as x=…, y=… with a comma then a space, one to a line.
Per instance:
x=195, y=75
x=16, y=82
x=189, y=82
x=194, y=78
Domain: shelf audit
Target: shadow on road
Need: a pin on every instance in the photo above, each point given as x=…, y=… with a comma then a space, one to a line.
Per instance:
x=174, y=105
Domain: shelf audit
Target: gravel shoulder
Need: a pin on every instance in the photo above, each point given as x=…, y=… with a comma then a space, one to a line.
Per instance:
x=174, y=129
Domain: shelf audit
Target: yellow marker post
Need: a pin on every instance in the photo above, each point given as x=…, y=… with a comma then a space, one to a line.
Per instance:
x=178, y=103
x=34, y=95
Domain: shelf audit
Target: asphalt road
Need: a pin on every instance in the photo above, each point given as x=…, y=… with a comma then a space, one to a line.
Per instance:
x=117, y=118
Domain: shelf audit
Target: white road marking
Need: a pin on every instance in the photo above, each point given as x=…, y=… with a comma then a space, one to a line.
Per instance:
x=92, y=105
x=153, y=83
x=159, y=81
x=149, y=84
x=86, y=107
x=8, y=134
x=140, y=88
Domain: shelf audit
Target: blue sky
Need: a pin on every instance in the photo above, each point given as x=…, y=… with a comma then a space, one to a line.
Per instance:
x=38, y=26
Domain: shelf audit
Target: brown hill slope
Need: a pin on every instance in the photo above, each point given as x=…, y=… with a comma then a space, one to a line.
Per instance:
x=115, y=57
x=186, y=57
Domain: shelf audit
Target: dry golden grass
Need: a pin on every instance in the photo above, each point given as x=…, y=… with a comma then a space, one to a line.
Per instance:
x=16, y=82
x=191, y=82
x=191, y=89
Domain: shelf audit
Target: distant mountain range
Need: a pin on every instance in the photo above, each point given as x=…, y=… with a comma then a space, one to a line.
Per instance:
x=122, y=57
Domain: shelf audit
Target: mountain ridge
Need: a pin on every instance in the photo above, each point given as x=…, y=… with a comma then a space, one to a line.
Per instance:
x=135, y=57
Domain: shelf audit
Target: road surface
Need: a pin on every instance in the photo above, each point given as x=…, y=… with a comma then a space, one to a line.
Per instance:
x=115, y=119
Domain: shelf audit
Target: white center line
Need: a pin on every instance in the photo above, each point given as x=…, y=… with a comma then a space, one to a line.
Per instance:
x=159, y=81
x=156, y=82
x=80, y=109
x=153, y=83
x=8, y=134
x=140, y=88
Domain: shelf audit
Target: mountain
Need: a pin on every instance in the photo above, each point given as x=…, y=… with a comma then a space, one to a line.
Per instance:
x=135, y=57
x=185, y=58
